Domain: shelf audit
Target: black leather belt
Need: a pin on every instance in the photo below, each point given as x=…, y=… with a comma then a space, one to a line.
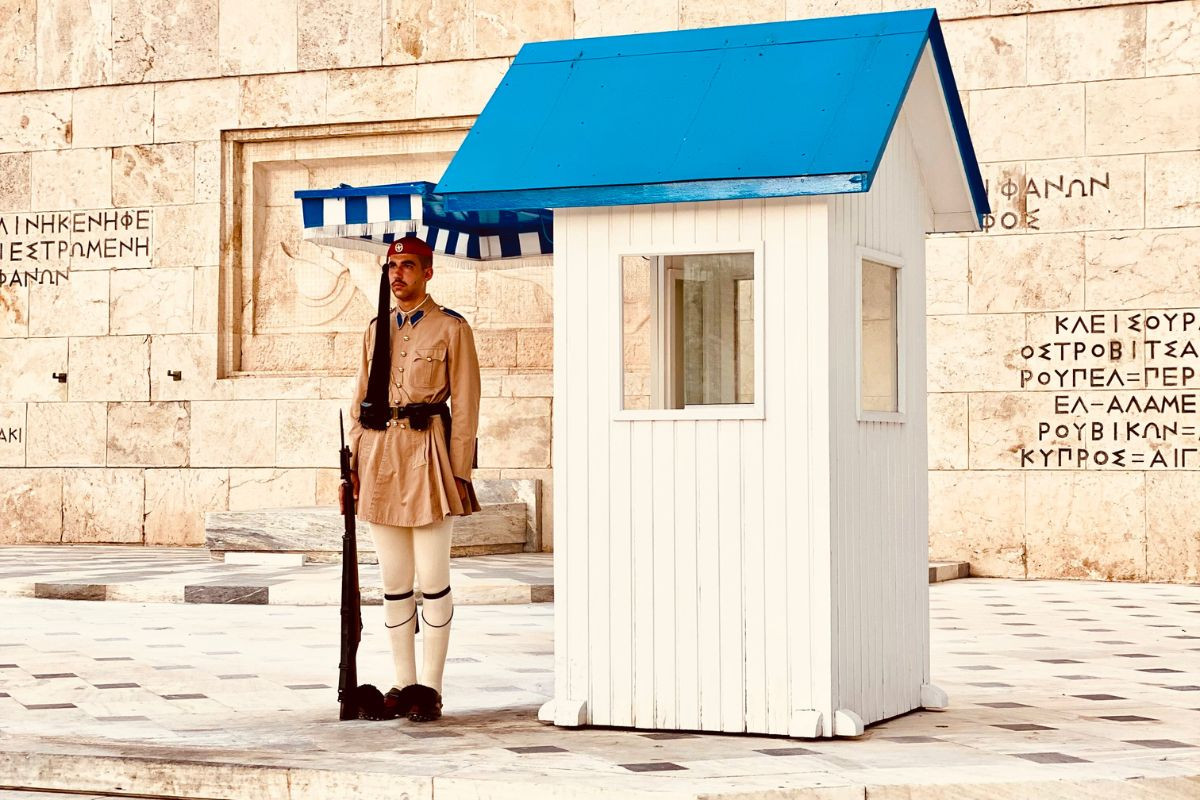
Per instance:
x=419, y=415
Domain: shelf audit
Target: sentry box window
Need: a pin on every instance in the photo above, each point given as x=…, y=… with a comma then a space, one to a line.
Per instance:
x=690, y=333
x=880, y=373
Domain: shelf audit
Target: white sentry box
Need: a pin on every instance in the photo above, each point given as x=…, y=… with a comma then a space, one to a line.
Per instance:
x=760, y=567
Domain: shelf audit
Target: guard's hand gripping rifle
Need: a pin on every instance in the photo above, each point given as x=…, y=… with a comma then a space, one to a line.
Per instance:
x=354, y=701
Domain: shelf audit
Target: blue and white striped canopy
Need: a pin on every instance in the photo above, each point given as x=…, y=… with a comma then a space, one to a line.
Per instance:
x=371, y=217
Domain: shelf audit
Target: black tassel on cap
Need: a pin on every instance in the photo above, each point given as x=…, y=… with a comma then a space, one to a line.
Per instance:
x=373, y=412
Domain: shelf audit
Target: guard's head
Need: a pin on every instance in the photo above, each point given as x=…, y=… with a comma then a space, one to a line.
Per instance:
x=410, y=266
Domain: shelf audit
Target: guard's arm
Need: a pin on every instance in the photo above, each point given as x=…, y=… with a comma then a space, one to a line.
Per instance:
x=464, y=400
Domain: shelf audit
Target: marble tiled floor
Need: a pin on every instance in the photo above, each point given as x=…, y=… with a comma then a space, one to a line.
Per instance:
x=181, y=574
x=1065, y=685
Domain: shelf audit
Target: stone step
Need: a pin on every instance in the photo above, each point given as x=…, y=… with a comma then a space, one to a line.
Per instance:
x=509, y=522
x=940, y=571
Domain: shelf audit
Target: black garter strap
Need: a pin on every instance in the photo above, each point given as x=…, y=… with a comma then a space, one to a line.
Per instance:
x=404, y=596
x=437, y=596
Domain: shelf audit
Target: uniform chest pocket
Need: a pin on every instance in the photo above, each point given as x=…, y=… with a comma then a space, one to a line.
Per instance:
x=429, y=367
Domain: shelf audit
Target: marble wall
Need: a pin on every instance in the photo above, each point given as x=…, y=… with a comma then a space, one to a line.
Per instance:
x=1085, y=115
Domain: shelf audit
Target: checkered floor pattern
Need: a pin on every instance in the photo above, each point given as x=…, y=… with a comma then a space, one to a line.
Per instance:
x=1047, y=680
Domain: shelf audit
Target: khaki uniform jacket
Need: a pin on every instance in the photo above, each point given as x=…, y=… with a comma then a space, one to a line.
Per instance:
x=406, y=477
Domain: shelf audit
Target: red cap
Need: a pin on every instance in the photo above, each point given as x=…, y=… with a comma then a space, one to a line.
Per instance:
x=410, y=244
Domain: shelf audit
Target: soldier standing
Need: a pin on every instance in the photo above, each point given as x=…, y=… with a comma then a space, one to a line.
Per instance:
x=412, y=457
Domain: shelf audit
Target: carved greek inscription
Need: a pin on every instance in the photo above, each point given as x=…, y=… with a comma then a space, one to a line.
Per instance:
x=58, y=236
x=11, y=435
x=1121, y=389
x=1013, y=197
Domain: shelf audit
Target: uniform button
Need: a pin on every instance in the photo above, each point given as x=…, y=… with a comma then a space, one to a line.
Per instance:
x=406, y=338
x=429, y=359
x=402, y=426
x=403, y=353
x=402, y=369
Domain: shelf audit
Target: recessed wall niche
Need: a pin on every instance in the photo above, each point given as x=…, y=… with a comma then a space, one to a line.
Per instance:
x=290, y=307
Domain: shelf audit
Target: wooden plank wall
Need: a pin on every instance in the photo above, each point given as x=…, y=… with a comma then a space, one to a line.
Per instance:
x=692, y=556
x=879, y=484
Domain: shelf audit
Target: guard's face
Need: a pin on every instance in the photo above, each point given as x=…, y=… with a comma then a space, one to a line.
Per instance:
x=408, y=277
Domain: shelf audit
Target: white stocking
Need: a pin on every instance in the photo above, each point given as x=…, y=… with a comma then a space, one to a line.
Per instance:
x=431, y=546
x=394, y=547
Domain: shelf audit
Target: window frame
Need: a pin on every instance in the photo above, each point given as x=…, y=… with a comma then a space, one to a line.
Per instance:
x=723, y=411
x=900, y=415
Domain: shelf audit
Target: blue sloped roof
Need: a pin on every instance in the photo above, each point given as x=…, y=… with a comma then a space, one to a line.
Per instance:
x=800, y=107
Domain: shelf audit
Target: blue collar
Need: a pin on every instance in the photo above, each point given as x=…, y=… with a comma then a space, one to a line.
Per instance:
x=414, y=317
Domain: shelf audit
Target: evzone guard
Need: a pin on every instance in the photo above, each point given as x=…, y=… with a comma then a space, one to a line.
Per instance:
x=411, y=460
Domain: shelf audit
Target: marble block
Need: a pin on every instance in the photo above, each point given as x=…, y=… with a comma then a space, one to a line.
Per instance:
x=239, y=433
x=148, y=434
x=535, y=347
x=14, y=182
x=1026, y=273
x=427, y=30
x=257, y=37
x=74, y=42
x=1143, y=115
x=108, y=116
x=176, y=501
x=979, y=517
x=986, y=52
x=307, y=433
x=947, y=425
x=974, y=352
x=31, y=503
x=501, y=26
x=18, y=40
x=187, y=236
x=1087, y=44
x=369, y=94
x=162, y=40
x=74, y=307
x=1139, y=269
x=616, y=17
x=41, y=120
x=317, y=532
x=711, y=13
x=528, y=491
x=946, y=274
x=103, y=505
x=287, y=99
x=1172, y=529
x=66, y=434
x=195, y=111
x=152, y=175
x=1173, y=186
x=335, y=35
x=28, y=368
x=12, y=434
x=14, y=313
x=1173, y=38
x=458, y=88
x=109, y=368
x=515, y=432
x=194, y=357
x=1089, y=525
x=155, y=301
x=1029, y=122
x=71, y=179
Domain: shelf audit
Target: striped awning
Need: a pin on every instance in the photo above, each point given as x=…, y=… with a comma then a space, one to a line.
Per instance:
x=371, y=217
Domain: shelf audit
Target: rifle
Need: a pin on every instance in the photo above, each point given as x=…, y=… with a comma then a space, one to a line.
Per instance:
x=351, y=596
x=354, y=701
